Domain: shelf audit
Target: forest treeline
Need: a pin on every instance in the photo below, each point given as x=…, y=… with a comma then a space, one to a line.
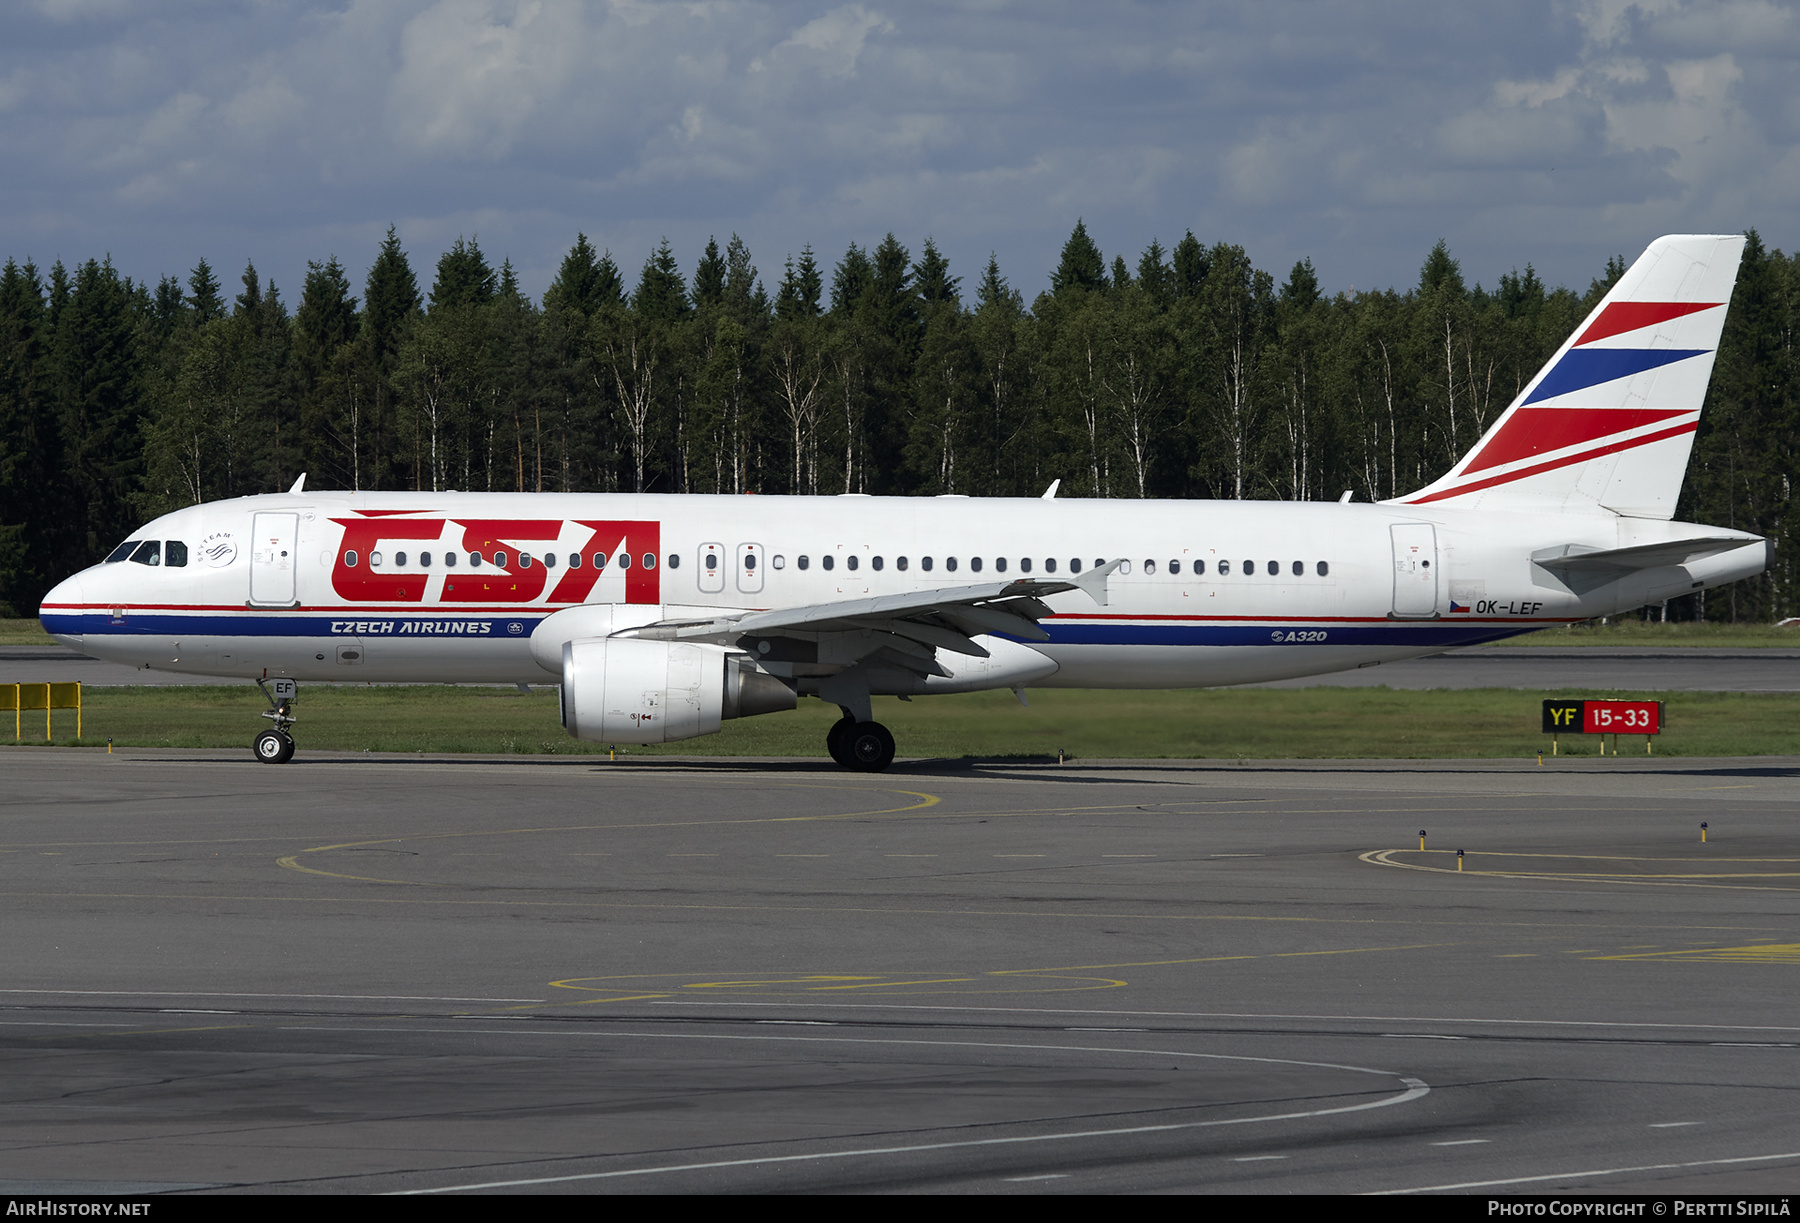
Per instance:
x=1190, y=373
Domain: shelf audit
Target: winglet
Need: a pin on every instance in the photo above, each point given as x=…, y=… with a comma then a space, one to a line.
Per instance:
x=1050, y=493
x=1094, y=580
x=299, y=485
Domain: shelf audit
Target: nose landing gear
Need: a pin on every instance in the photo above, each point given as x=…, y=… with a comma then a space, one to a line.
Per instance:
x=275, y=745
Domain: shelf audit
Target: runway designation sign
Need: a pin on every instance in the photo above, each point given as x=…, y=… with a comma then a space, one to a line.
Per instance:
x=1602, y=717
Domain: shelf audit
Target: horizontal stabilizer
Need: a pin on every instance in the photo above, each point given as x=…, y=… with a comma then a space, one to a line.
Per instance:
x=1574, y=558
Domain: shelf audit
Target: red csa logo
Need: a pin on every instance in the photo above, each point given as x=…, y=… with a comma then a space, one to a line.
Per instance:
x=625, y=546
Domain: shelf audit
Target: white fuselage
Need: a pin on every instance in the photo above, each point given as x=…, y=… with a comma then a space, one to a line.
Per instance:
x=312, y=586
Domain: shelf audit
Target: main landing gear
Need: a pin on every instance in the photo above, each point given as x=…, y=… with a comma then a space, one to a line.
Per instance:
x=866, y=747
x=276, y=745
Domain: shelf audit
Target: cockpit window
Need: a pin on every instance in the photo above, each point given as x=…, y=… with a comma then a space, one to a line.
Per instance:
x=175, y=554
x=149, y=552
x=122, y=551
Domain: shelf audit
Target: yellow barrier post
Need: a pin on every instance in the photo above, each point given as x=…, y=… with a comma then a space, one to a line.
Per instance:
x=10, y=693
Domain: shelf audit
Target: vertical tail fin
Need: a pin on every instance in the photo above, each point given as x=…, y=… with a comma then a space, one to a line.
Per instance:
x=1608, y=423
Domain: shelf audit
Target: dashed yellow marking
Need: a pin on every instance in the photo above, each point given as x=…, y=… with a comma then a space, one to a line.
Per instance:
x=1760, y=953
x=1061, y=979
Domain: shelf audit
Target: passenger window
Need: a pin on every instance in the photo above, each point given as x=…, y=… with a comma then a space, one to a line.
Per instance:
x=804, y=562
x=1274, y=569
x=624, y=560
x=851, y=561
x=1323, y=569
x=712, y=561
x=675, y=561
x=549, y=560
x=400, y=558
x=148, y=553
x=900, y=563
x=1074, y=564
x=780, y=561
x=1224, y=569
x=1174, y=567
x=1199, y=568
x=650, y=561
x=574, y=560
x=829, y=561
x=1024, y=564
x=425, y=560
x=349, y=559
x=1149, y=567
x=975, y=564
x=950, y=563
x=925, y=563
x=123, y=551
x=474, y=560
x=449, y=560
x=374, y=560
x=876, y=561
x=524, y=560
x=175, y=554
x=1050, y=564
x=600, y=560
x=1299, y=569
x=500, y=560
x=999, y=564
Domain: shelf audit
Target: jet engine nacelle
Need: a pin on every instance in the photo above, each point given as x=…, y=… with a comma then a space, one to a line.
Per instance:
x=629, y=690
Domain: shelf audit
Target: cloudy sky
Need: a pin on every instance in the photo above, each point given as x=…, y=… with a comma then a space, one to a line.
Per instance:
x=1353, y=132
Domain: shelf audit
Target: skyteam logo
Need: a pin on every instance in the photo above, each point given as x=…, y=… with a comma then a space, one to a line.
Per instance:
x=218, y=550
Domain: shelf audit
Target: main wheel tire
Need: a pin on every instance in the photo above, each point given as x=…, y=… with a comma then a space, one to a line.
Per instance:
x=835, y=739
x=869, y=746
x=272, y=747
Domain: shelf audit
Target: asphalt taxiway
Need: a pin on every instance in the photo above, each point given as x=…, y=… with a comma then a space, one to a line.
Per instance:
x=422, y=974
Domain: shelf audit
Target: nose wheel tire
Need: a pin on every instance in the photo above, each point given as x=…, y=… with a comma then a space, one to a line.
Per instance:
x=869, y=746
x=273, y=747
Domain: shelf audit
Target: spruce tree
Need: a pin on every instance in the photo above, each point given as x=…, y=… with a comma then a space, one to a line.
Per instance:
x=463, y=277
x=203, y=294
x=801, y=284
x=931, y=274
x=1082, y=267
x=850, y=280
x=661, y=297
x=1189, y=266
x=709, y=277
x=390, y=297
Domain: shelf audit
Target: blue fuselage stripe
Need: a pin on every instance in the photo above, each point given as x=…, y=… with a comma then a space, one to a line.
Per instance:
x=1428, y=634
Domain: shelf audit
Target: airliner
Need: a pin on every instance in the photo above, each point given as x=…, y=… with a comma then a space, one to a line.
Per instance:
x=662, y=616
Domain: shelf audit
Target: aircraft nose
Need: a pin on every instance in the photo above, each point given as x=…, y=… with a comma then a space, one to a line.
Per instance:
x=61, y=611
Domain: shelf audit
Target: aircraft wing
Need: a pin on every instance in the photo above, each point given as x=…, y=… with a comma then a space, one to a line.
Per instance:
x=907, y=628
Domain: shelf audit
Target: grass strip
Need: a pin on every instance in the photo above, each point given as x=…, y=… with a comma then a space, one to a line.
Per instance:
x=1309, y=723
